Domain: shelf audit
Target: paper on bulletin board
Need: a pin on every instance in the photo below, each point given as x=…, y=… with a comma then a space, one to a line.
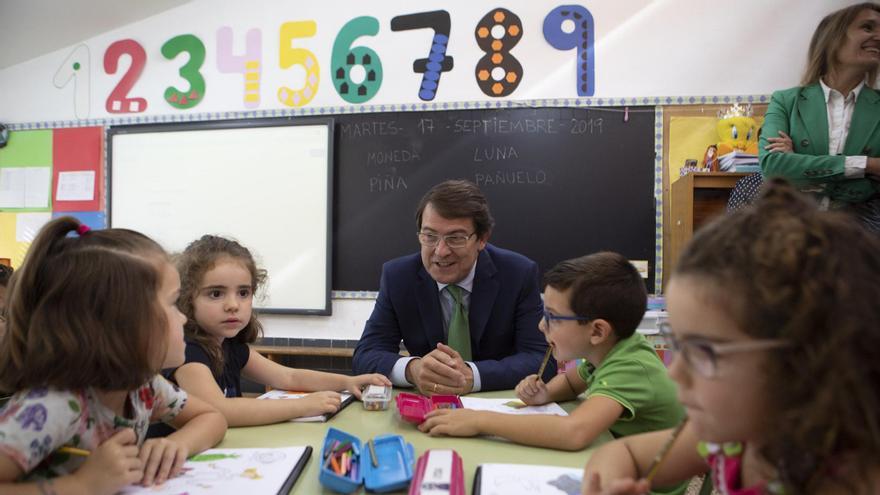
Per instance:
x=10, y=247
x=28, y=225
x=25, y=187
x=76, y=186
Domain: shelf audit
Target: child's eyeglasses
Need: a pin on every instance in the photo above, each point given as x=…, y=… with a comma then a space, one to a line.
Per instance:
x=702, y=355
x=550, y=317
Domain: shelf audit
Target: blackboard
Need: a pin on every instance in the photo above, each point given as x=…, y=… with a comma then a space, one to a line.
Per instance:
x=561, y=182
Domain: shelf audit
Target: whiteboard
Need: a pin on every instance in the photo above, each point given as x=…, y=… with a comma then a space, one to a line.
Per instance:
x=266, y=183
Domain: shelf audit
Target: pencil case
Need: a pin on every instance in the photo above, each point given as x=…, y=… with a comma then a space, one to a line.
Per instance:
x=438, y=471
x=413, y=408
x=346, y=463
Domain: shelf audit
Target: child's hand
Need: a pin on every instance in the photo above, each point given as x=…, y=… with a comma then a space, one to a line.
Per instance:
x=113, y=465
x=533, y=391
x=318, y=403
x=592, y=485
x=163, y=459
x=354, y=384
x=451, y=422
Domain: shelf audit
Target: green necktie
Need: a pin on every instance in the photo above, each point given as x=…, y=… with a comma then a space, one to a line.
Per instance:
x=459, y=331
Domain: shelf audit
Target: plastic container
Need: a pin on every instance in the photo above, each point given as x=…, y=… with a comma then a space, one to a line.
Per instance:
x=376, y=398
x=413, y=408
x=438, y=471
x=395, y=460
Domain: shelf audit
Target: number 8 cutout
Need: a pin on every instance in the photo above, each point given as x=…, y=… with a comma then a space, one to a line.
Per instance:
x=498, y=72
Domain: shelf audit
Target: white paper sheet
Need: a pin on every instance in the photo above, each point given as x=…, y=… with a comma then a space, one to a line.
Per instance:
x=25, y=187
x=283, y=394
x=76, y=186
x=27, y=225
x=502, y=406
x=520, y=479
x=229, y=471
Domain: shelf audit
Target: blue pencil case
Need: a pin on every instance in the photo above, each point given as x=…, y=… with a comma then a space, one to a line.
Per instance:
x=347, y=463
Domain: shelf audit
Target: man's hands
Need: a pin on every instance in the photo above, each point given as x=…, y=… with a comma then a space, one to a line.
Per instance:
x=442, y=371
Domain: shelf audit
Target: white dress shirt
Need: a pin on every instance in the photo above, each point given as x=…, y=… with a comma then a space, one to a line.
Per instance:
x=398, y=372
x=840, y=113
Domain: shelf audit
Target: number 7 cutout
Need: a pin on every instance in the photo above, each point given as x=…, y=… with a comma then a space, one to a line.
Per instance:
x=437, y=62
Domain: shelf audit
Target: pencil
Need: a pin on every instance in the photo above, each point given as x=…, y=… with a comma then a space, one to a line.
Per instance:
x=74, y=451
x=373, y=453
x=664, y=451
x=544, y=362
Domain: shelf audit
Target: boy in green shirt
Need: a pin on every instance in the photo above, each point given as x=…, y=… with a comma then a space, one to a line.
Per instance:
x=592, y=306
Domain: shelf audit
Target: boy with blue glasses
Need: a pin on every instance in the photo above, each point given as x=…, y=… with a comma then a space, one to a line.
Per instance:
x=592, y=307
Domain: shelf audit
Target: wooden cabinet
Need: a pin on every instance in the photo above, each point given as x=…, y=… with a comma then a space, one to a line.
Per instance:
x=696, y=198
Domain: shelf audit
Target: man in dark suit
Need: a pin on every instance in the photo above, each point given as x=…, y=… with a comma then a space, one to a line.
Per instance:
x=467, y=311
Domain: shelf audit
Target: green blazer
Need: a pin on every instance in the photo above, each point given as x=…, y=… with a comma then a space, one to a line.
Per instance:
x=801, y=112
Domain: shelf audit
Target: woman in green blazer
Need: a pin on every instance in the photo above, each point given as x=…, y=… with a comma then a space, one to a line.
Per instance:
x=824, y=136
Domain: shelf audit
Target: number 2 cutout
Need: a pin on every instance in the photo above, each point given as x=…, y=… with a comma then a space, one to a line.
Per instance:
x=579, y=35
x=437, y=62
x=118, y=101
x=190, y=71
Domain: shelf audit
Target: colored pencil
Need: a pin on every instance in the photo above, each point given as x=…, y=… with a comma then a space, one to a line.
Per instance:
x=544, y=362
x=373, y=453
x=74, y=451
x=664, y=451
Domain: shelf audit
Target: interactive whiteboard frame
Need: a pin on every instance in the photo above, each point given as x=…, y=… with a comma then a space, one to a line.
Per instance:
x=267, y=183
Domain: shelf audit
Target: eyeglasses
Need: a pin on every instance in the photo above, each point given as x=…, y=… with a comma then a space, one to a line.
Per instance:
x=454, y=241
x=702, y=355
x=550, y=317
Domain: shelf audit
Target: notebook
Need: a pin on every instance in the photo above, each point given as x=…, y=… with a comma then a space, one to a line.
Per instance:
x=234, y=471
x=511, y=406
x=284, y=394
x=525, y=479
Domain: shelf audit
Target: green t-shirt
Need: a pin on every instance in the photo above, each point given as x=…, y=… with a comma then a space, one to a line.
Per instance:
x=633, y=376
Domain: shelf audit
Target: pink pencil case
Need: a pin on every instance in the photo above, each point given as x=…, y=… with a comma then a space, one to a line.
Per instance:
x=438, y=471
x=413, y=408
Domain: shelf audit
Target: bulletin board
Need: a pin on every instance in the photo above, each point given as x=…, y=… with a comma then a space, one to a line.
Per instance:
x=45, y=174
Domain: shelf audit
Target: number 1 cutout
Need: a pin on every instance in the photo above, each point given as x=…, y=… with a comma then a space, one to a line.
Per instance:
x=580, y=37
x=437, y=62
x=76, y=66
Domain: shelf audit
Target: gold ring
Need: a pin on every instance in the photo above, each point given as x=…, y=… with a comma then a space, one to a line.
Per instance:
x=435, y=388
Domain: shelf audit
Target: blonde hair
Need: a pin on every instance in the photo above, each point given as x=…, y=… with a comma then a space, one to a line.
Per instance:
x=828, y=38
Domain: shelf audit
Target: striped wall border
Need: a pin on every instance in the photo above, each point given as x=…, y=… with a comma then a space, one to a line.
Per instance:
x=657, y=101
x=403, y=107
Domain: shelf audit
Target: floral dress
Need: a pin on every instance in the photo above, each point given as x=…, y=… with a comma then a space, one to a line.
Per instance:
x=35, y=423
x=725, y=461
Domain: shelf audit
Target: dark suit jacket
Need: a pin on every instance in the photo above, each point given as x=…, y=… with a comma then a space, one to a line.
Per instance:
x=504, y=311
x=802, y=113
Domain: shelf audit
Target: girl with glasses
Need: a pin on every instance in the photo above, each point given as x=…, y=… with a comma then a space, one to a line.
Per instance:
x=773, y=313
